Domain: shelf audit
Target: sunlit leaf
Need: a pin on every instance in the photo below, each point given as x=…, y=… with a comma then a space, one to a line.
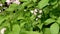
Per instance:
x=42, y=3
x=54, y=28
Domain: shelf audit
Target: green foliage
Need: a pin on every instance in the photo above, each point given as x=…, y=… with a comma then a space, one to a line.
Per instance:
x=42, y=3
x=18, y=19
x=49, y=21
x=54, y=28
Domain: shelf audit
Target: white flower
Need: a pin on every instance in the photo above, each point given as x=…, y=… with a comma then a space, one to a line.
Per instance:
x=36, y=19
x=0, y=4
x=2, y=30
x=40, y=11
x=8, y=2
x=39, y=16
x=32, y=11
x=17, y=2
x=12, y=1
x=35, y=10
x=35, y=13
x=25, y=10
x=0, y=10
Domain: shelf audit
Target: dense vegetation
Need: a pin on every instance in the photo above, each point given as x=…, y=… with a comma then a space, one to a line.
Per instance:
x=18, y=19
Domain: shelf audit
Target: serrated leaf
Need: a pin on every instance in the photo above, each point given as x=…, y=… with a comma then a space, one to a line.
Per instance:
x=42, y=3
x=54, y=28
x=49, y=21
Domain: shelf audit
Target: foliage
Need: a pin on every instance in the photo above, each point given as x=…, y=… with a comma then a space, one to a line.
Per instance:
x=18, y=21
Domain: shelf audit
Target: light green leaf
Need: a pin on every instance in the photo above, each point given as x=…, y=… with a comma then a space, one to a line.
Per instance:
x=25, y=0
x=29, y=32
x=42, y=3
x=34, y=0
x=58, y=20
x=15, y=29
x=49, y=21
x=47, y=31
x=40, y=25
x=2, y=18
x=3, y=1
x=54, y=28
x=12, y=7
x=53, y=2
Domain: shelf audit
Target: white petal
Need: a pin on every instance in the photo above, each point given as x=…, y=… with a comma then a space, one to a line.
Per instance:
x=35, y=10
x=16, y=2
x=7, y=0
x=32, y=11
x=40, y=11
x=35, y=13
x=0, y=4
x=0, y=11
x=2, y=30
x=39, y=16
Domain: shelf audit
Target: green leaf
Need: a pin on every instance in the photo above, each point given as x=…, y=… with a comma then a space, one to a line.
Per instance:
x=53, y=2
x=34, y=0
x=54, y=28
x=32, y=17
x=3, y=1
x=40, y=25
x=58, y=20
x=25, y=0
x=49, y=21
x=33, y=32
x=42, y=3
x=12, y=7
x=15, y=29
x=47, y=31
x=29, y=32
x=2, y=18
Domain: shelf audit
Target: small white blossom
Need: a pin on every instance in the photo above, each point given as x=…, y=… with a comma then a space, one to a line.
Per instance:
x=0, y=11
x=3, y=30
x=25, y=10
x=8, y=2
x=35, y=13
x=39, y=16
x=12, y=1
x=32, y=11
x=36, y=19
x=0, y=4
x=17, y=2
x=40, y=11
x=35, y=10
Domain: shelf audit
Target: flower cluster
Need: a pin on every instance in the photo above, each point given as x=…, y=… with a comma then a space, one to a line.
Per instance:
x=12, y=1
